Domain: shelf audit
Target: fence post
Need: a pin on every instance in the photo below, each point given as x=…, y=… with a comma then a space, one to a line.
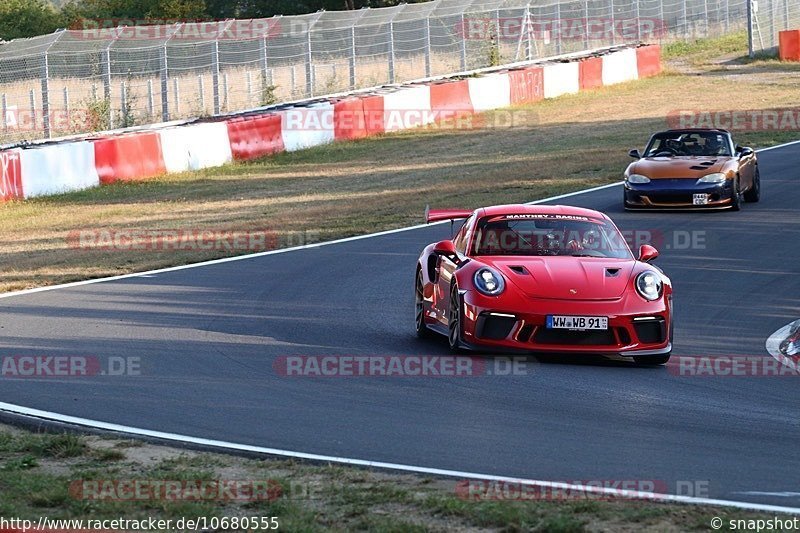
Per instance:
x=123, y=92
x=4, y=110
x=613, y=25
x=557, y=27
x=638, y=22
x=528, y=34
x=686, y=19
x=773, y=34
x=785, y=14
x=107, y=73
x=46, y=95
x=201, y=86
x=727, y=15
x=176, y=93
x=215, y=77
x=498, y=40
x=309, y=70
x=428, y=46
x=750, y=51
x=151, y=111
x=391, y=52
x=586, y=24
x=463, y=43
x=353, y=56
x=32, y=100
x=66, y=104
x=165, y=85
x=225, y=91
x=705, y=18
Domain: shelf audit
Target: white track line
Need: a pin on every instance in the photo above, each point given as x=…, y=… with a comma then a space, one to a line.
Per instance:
x=223, y=445
x=173, y=437
x=149, y=273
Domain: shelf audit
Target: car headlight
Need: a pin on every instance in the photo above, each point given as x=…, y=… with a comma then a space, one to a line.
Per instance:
x=649, y=285
x=637, y=178
x=489, y=282
x=716, y=177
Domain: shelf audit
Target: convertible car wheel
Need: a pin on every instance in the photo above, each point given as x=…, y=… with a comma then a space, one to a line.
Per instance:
x=754, y=194
x=736, y=196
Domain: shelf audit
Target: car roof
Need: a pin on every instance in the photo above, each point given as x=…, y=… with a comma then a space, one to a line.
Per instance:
x=694, y=130
x=523, y=209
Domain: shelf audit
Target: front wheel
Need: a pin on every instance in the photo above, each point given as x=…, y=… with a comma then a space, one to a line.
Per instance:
x=754, y=193
x=652, y=359
x=419, y=309
x=736, y=196
x=454, y=321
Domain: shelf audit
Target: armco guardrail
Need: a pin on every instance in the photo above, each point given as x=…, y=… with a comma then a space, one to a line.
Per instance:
x=71, y=165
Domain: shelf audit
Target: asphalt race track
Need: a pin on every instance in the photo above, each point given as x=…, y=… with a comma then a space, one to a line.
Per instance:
x=207, y=338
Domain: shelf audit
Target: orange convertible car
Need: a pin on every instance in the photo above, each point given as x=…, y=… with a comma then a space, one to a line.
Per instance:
x=692, y=168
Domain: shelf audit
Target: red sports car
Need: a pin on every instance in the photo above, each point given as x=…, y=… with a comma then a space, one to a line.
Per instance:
x=553, y=279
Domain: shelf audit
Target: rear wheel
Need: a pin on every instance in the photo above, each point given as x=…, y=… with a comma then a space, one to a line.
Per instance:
x=736, y=195
x=754, y=194
x=652, y=359
x=454, y=321
x=419, y=309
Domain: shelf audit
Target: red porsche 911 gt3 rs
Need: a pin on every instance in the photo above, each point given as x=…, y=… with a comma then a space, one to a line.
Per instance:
x=554, y=279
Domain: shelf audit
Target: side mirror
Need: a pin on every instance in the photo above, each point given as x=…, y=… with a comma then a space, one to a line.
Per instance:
x=445, y=248
x=647, y=253
x=744, y=151
x=635, y=154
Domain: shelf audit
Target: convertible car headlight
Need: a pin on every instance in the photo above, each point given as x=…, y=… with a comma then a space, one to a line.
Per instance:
x=637, y=178
x=716, y=177
x=649, y=285
x=489, y=282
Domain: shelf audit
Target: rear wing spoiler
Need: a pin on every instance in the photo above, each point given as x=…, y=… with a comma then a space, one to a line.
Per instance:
x=436, y=215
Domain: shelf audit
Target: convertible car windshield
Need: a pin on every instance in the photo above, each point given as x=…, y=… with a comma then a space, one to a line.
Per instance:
x=551, y=235
x=670, y=144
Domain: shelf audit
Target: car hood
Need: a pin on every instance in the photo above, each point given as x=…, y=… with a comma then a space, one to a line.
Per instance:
x=678, y=167
x=570, y=278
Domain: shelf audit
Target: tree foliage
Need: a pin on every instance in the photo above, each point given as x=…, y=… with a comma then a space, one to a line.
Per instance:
x=27, y=18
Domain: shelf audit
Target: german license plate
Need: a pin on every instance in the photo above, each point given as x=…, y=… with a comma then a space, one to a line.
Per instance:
x=700, y=199
x=577, y=322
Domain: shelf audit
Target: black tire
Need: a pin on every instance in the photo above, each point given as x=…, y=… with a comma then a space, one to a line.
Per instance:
x=736, y=195
x=652, y=359
x=419, y=309
x=754, y=193
x=454, y=321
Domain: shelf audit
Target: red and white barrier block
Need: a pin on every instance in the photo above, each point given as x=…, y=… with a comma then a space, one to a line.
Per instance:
x=71, y=166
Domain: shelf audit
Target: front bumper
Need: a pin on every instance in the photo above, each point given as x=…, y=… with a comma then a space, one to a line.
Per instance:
x=635, y=326
x=677, y=193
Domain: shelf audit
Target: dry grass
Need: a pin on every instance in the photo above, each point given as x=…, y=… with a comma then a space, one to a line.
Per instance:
x=359, y=187
x=38, y=469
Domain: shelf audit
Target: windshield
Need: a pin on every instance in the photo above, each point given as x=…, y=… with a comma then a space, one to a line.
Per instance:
x=538, y=235
x=704, y=143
